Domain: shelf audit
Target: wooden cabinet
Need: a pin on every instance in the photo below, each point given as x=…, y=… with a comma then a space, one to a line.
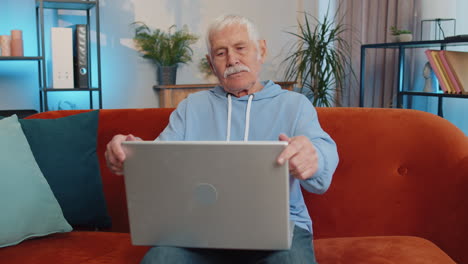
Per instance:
x=171, y=95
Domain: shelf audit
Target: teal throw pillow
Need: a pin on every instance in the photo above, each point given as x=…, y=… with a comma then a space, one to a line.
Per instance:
x=28, y=207
x=65, y=150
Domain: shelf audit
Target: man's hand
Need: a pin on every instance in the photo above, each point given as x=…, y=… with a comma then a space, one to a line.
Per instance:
x=302, y=156
x=115, y=155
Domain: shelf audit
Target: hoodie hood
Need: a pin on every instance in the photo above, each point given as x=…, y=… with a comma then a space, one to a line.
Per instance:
x=270, y=89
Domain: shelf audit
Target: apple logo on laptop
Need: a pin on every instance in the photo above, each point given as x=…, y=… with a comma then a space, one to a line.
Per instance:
x=205, y=194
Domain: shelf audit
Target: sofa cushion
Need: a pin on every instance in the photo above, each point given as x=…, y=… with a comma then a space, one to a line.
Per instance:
x=76, y=248
x=379, y=250
x=146, y=123
x=28, y=206
x=65, y=149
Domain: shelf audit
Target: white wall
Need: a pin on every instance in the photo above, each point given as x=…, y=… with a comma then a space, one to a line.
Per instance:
x=127, y=78
x=18, y=79
x=137, y=75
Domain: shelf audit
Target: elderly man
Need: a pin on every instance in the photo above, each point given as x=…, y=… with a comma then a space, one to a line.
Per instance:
x=243, y=108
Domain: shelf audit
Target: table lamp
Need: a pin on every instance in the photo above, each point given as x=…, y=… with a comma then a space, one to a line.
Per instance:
x=438, y=19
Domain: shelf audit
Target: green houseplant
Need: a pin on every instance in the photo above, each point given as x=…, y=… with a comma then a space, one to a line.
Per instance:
x=319, y=58
x=166, y=49
x=205, y=68
x=401, y=35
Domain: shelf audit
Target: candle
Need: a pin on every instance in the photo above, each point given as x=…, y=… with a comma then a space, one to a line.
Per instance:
x=16, y=43
x=5, y=45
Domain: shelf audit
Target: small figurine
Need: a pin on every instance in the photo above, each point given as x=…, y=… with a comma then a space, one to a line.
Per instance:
x=430, y=83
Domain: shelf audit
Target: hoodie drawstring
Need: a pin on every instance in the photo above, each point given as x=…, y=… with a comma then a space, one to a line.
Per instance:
x=247, y=118
x=228, y=133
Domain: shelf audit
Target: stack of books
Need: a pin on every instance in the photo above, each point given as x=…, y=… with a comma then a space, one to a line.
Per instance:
x=451, y=69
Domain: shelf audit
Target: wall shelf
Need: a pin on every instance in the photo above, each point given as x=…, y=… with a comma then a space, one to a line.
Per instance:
x=68, y=4
x=435, y=94
x=22, y=58
x=415, y=44
x=402, y=47
x=44, y=86
x=71, y=89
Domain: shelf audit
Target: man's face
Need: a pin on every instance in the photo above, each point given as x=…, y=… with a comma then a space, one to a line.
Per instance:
x=236, y=61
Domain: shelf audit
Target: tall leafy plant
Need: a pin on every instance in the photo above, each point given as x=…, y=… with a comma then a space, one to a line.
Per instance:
x=165, y=48
x=319, y=58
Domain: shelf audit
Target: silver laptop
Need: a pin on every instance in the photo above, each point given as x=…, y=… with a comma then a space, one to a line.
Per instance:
x=230, y=195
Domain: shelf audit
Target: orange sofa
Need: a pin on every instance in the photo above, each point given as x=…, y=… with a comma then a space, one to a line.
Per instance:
x=399, y=194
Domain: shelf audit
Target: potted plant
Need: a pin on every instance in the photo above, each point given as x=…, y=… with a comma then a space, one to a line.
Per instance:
x=319, y=58
x=166, y=49
x=205, y=69
x=401, y=35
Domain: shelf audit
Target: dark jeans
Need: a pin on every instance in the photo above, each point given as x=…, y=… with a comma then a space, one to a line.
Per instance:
x=302, y=251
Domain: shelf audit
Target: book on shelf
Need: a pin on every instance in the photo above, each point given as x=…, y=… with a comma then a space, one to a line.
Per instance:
x=62, y=57
x=438, y=70
x=450, y=69
x=458, y=64
x=80, y=56
x=444, y=72
x=70, y=56
x=454, y=83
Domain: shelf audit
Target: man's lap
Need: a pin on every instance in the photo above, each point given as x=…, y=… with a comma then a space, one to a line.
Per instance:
x=301, y=252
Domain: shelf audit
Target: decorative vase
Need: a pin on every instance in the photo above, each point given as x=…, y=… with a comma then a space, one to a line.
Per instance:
x=167, y=75
x=5, y=42
x=403, y=37
x=17, y=43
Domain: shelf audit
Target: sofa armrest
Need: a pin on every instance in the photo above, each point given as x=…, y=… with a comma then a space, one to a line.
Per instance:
x=401, y=172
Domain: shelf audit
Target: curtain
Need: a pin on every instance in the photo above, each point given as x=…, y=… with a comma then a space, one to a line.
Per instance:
x=369, y=22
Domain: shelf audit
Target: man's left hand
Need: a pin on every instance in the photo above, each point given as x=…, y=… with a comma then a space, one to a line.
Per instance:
x=302, y=156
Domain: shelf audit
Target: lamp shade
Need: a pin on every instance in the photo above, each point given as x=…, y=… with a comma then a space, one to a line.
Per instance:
x=433, y=9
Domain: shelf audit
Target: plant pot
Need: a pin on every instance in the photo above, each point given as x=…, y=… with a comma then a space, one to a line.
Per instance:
x=167, y=75
x=403, y=38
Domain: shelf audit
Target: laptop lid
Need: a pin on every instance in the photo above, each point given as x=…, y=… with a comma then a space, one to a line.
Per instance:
x=208, y=194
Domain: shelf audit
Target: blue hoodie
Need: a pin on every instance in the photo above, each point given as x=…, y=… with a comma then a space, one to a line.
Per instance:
x=216, y=115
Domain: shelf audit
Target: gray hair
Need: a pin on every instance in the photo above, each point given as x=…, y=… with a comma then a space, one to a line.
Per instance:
x=226, y=20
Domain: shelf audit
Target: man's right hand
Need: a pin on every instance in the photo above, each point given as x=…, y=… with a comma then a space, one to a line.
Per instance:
x=115, y=155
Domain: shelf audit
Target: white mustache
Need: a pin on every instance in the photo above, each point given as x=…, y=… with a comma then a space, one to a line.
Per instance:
x=235, y=69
